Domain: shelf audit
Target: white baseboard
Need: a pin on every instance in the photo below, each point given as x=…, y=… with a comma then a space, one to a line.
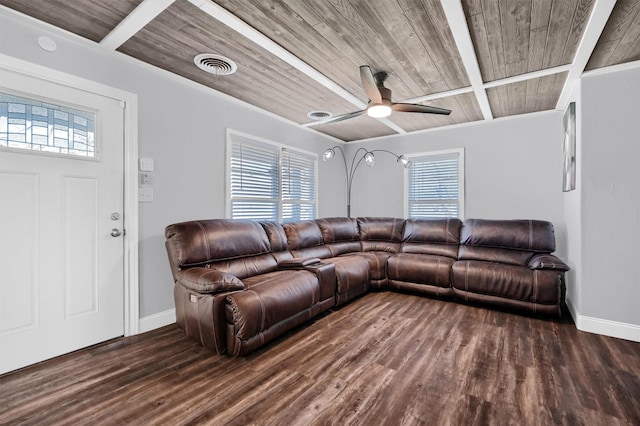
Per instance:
x=621, y=330
x=158, y=320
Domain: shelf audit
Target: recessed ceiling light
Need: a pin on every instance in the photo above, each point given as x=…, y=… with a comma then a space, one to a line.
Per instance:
x=319, y=115
x=215, y=64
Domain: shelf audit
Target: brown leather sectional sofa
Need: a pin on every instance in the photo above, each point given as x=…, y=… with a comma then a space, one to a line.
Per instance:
x=240, y=284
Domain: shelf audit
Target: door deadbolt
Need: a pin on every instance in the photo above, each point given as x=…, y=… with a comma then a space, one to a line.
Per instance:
x=115, y=216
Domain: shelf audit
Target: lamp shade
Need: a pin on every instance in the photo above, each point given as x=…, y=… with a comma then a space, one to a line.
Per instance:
x=404, y=161
x=328, y=154
x=370, y=159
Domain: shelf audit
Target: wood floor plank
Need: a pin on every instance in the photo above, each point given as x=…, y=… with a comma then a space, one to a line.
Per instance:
x=386, y=358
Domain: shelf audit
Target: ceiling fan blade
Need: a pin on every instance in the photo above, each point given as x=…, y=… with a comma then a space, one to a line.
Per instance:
x=369, y=84
x=402, y=107
x=344, y=116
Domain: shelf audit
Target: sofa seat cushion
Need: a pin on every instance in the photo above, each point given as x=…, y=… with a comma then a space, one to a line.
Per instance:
x=377, y=263
x=507, y=281
x=420, y=269
x=270, y=299
x=352, y=276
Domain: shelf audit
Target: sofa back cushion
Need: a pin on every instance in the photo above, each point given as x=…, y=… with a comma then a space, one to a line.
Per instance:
x=432, y=236
x=380, y=234
x=506, y=241
x=277, y=240
x=305, y=239
x=238, y=247
x=340, y=234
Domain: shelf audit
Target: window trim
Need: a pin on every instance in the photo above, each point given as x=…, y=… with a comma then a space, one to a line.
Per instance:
x=280, y=147
x=461, y=177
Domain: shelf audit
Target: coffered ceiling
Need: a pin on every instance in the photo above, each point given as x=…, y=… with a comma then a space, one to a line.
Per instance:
x=483, y=59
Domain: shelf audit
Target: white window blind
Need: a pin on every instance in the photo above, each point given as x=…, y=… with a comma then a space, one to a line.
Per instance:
x=254, y=181
x=298, y=186
x=270, y=182
x=435, y=185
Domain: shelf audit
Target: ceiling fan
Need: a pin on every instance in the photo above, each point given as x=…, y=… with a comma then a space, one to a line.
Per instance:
x=380, y=104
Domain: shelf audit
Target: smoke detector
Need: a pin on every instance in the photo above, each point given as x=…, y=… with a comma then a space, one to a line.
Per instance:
x=215, y=64
x=319, y=115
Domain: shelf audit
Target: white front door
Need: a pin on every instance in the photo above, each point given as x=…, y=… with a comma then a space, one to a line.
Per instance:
x=61, y=220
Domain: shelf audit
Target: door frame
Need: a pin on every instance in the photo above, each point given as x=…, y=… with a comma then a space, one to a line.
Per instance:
x=130, y=202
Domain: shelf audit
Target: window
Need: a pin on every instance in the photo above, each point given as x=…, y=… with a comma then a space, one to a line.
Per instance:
x=435, y=185
x=268, y=181
x=38, y=126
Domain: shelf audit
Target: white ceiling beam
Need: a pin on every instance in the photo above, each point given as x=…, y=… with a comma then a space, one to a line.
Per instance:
x=458, y=24
x=599, y=16
x=439, y=95
x=528, y=76
x=134, y=22
x=238, y=25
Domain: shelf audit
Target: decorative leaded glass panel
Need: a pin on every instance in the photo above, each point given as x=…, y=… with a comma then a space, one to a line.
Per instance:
x=39, y=126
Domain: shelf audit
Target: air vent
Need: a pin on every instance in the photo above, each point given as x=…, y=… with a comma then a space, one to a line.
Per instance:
x=215, y=64
x=319, y=115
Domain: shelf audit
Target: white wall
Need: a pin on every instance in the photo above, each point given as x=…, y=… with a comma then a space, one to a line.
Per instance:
x=513, y=170
x=182, y=128
x=610, y=203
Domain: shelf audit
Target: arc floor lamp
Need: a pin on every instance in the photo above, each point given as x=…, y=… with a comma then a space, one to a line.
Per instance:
x=360, y=155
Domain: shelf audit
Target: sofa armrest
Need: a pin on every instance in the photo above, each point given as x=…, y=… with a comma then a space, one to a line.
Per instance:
x=326, y=273
x=298, y=263
x=205, y=280
x=547, y=261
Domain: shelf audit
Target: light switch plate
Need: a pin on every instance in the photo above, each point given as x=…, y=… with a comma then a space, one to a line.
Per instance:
x=146, y=164
x=145, y=195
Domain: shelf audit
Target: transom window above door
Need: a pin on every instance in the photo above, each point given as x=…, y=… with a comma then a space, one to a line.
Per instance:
x=38, y=126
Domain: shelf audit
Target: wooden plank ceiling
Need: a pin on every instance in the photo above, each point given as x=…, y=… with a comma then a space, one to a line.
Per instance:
x=483, y=59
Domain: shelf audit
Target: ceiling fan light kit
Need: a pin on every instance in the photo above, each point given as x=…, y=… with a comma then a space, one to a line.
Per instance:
x=379, y=111
x=380, y=104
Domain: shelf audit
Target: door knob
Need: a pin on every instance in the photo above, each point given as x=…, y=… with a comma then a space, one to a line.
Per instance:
x=115, y=232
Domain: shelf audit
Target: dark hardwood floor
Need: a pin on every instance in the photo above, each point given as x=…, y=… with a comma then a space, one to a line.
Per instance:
x=385, y=359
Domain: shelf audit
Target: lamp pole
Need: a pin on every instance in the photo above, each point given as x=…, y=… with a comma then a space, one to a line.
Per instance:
x=367, y=156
